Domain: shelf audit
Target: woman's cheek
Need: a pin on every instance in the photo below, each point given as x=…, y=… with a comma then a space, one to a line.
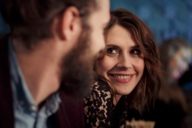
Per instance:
x=106, y=64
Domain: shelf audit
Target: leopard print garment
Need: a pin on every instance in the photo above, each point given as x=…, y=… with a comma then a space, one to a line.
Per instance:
x=98, y=106
x=99, y=109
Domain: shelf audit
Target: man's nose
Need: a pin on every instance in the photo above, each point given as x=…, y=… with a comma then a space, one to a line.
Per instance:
x=101, y=54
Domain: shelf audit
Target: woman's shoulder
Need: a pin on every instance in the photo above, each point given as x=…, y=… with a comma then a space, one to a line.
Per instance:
x=98, y=106
x=100, y=93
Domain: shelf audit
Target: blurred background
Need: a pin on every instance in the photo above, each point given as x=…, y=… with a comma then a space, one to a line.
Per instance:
x=166, y=18
x=3, y=27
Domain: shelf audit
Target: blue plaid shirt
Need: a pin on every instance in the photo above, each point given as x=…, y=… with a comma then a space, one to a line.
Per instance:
x=26, y=113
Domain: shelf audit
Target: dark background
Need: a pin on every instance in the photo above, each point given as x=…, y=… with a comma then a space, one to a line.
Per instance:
x=166, y=18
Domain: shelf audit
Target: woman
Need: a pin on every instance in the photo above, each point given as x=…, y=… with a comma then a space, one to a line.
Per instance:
x=128, y=73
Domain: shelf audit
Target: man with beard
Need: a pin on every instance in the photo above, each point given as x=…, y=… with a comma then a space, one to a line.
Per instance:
x=47, y=59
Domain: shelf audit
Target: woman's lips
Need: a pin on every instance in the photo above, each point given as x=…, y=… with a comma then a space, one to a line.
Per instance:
x=121, y=78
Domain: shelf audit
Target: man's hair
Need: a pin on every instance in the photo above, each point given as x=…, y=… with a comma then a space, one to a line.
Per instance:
x=31, y=20
x=148, y=86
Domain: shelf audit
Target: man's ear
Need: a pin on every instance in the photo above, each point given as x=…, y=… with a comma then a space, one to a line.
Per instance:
x=69, y=26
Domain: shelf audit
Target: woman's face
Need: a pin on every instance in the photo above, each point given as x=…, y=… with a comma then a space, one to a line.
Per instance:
x=122, y=64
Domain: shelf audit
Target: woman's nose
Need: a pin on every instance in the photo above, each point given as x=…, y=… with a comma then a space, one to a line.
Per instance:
x=125, y=61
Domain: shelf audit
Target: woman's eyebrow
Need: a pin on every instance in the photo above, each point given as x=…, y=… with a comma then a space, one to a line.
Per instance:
x=110, y=45
x=135, y=46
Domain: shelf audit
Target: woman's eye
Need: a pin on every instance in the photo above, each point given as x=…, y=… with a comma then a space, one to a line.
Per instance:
x=112, y=51
x=136, y=51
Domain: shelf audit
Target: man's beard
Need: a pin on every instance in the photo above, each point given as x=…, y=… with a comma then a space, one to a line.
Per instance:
x=77, y=69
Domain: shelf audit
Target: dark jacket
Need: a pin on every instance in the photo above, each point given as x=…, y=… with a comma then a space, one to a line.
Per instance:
x=69, y=115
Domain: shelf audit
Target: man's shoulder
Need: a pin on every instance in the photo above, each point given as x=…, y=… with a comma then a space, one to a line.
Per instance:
x=3, y=43
x=71, y=109
x=6, y=116
x=71, y=102
x=4, y=38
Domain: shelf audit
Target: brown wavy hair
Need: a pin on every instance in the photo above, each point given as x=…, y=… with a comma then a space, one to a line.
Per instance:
x=147, y=89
